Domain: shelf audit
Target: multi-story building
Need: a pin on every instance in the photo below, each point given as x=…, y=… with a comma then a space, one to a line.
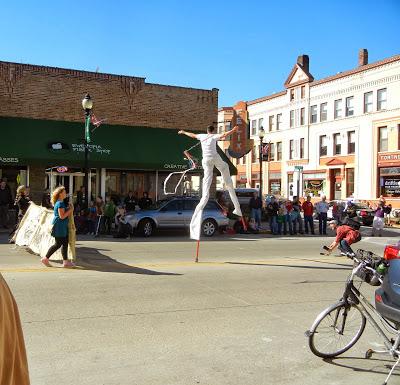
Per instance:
x=338, y=136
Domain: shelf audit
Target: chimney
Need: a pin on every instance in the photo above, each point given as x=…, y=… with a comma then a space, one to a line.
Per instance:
x=362, y=57
x=304, y=62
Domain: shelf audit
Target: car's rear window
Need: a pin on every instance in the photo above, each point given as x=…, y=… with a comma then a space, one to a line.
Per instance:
x=244, y=194
x=191, y=205
x=211, y=205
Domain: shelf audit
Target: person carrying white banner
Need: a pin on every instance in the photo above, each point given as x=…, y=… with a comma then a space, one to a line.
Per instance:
x=60, y=227
x=211, y=159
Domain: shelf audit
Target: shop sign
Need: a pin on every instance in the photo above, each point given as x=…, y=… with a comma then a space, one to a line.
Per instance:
x=392, y=186
x=275, y=175
x=9, y=160
x=62, y=169
x=96, y=148
x=240, y=144
x=58, y=147
x=173, y=166
x=389, y=158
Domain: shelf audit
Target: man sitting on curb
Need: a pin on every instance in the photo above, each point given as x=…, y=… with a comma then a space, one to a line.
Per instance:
x=345, y=236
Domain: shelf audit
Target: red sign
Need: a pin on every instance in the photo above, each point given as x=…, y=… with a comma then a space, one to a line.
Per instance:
x=62, y=169
x=240, y=142
x=389, y=159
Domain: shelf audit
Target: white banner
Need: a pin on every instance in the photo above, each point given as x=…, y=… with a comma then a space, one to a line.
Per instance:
x=34, y=233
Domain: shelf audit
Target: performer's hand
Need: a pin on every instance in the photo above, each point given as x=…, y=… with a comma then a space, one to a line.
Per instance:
x=181, y=132
x=236, y=128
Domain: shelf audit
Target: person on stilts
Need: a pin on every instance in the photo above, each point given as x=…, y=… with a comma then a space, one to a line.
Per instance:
x=211, y=159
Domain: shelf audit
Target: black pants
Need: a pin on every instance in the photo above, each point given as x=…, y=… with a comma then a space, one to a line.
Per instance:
x=107, y=224
x=60, y=242
x=323, y=217
x=3, y=215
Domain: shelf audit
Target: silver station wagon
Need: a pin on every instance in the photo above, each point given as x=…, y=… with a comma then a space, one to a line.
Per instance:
x=176, y=213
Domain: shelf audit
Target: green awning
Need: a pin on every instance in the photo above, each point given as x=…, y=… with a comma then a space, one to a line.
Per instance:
x=59, y=143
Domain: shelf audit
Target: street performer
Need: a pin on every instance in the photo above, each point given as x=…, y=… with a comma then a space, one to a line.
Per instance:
x=210, y=159
x=345, y=236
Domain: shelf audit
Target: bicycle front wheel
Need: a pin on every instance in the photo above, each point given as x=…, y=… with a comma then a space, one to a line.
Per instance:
x=336, y=330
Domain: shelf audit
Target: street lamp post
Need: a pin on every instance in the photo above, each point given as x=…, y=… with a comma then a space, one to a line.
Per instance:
x=87, y=104
x=261, y=134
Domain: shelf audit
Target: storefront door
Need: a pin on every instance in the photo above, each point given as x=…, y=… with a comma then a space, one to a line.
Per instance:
x=72, y=181
x=336, y=184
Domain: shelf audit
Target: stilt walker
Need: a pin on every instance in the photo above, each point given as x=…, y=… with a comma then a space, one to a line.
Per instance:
x=211, y=159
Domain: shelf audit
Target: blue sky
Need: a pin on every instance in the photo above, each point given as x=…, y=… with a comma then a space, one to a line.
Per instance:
x=244, y=48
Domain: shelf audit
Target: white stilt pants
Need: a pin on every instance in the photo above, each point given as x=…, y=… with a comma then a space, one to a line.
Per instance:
x=208, y=166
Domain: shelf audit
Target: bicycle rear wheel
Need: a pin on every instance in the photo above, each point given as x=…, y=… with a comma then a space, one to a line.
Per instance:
x=336, y=330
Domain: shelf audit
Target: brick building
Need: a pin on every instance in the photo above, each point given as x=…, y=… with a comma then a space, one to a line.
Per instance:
x=42, y=127
x=337, y=136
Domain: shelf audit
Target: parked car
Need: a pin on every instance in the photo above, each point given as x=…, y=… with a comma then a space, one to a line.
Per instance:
x=244, y=195
x=365, y=215
x=176, y=213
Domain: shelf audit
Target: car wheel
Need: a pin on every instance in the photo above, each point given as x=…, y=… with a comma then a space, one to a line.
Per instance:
x=146, y=227
x=209, y=227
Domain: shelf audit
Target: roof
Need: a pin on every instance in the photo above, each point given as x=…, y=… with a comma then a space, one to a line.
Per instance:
x=225, y=109
x=264, y=98
x=356, y=70
x=92, y=74
x=333, y=77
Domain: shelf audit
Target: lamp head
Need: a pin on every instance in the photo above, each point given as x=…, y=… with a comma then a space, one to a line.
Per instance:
x=87, y=103
x=261, y=133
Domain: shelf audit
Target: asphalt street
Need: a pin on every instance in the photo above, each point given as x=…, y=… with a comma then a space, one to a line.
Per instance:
x=141, y=312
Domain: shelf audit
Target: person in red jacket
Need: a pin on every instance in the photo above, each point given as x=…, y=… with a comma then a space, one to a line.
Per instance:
x=308, y=209
x=345, y=236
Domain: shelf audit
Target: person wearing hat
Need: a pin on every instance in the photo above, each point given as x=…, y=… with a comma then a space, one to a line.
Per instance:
x=345, y=236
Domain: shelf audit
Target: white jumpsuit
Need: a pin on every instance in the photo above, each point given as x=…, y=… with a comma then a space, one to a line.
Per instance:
x=211, y=158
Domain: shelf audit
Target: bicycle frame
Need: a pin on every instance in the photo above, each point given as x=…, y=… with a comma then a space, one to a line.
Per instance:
x=353, y=296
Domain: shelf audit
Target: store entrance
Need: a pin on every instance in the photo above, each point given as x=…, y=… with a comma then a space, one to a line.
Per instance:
x=72, y=181
x=336, y=183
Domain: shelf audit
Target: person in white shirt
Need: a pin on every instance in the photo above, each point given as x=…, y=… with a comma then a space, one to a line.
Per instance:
x=322, y=208
x=211, y=159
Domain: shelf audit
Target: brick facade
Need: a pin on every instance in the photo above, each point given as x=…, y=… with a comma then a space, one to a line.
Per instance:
x=39, y=92
x=49, y=93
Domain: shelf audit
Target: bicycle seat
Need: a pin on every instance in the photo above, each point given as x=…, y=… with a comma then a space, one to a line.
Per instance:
x=387, y=297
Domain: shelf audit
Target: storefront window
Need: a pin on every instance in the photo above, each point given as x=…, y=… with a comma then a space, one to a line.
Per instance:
x=119, y=183
x=390, y=181
x=349, y=181
x=15, y=176
x=275, y=183
x=290, y=185
x=275, y=186
x=314, y=184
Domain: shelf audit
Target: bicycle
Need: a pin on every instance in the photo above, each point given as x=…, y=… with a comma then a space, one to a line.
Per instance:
x=340, y=326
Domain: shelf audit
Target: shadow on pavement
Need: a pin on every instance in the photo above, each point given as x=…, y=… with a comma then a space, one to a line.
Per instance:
x=93, y=259
x=378, y=366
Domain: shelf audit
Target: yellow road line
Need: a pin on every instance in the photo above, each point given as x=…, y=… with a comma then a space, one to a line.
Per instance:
x=287, y=261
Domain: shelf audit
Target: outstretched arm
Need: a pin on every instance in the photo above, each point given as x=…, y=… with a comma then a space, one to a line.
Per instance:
x=230, y=132
x=189, y=134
